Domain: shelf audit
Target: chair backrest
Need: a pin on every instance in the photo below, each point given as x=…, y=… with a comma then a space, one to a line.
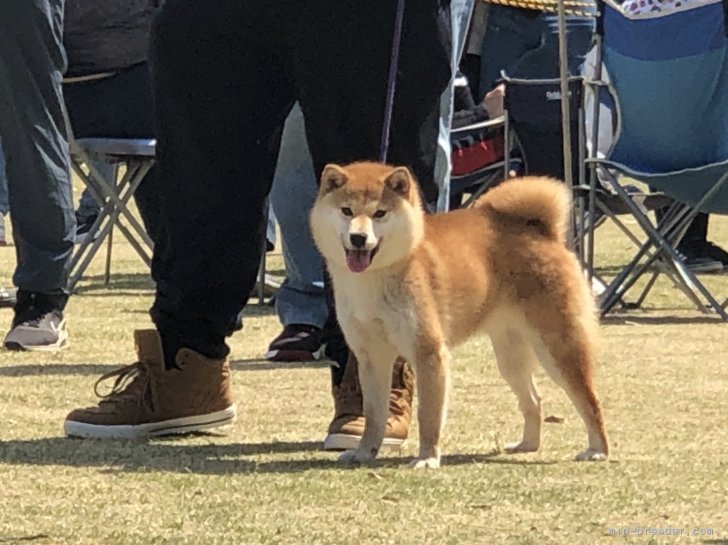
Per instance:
x=533, y=111
x=669, y=66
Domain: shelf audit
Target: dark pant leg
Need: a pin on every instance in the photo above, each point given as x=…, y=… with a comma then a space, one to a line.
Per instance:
x=543, y=146
x=696, y=235
x=119, y=107
x=343, y=86
x=220, y=97
x=510, y=33
x=33, y=134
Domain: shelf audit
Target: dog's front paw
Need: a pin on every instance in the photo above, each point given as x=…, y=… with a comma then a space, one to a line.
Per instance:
x=523, y=446
x=591, y=455
x=425, y=463
x=355, y=456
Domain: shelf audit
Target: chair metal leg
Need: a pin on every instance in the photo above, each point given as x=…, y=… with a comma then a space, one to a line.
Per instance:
x=688, y=281
x=107, y=272
x=115, y=198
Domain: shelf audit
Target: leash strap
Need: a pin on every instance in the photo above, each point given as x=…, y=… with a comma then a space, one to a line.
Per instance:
x=392, y=81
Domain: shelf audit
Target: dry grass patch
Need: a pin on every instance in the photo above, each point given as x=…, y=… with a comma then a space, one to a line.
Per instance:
x=662, y=377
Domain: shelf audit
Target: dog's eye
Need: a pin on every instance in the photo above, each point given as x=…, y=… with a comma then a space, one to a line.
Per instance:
x=347, y=211
x=379, y=214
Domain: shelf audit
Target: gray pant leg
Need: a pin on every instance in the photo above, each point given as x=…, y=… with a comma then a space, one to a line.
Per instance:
x=301, y=299
x=32, y=130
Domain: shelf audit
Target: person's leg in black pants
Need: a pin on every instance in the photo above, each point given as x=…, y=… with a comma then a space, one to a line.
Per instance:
x=33, y=134
x=225, y=77
x=221, y=96
x=342, y=88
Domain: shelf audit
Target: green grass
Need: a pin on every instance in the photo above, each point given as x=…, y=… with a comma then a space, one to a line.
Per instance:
x=662, y=378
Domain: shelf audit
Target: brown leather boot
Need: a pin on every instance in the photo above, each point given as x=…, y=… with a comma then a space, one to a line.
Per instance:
x=347, y=427
x=148, y=400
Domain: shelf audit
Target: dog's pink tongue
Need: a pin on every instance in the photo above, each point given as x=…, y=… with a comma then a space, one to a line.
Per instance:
x=358, y=260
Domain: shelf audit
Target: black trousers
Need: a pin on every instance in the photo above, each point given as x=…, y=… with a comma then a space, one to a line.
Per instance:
x=119, y=106
x=225, y=75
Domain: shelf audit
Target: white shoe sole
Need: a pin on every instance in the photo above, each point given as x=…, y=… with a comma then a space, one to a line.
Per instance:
x=340, y=441
x=315, y=356
x=174, y=426
x=60, y=344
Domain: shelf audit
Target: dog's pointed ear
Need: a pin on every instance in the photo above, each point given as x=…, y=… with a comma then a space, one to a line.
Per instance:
x=399, y=181
x=333, y=177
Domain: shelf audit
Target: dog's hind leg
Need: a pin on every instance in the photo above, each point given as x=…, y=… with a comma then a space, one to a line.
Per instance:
x=517, y=362
x=375, y=375
x=565, y=346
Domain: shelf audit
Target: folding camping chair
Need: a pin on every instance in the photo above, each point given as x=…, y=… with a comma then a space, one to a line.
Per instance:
x=113, y=195
x=137, y=156
x=478, y=160
x=669, y=84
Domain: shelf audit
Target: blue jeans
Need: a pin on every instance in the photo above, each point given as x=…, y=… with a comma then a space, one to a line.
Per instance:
x=460, y=13
x=525, y=44
x=301, y=299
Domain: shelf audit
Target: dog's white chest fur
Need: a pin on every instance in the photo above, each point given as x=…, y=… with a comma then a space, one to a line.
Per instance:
x=373, y=309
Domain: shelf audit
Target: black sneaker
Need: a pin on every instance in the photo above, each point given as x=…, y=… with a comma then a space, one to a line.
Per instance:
x=83, y=226
x=35, y=329
x=714, y=251
x=697, y=261
x=297, y=342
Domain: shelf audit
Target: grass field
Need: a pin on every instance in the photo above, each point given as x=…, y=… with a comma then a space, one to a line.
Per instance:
x=663, y=380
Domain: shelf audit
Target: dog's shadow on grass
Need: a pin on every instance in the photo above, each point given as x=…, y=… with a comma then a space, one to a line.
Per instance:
x=174, y=456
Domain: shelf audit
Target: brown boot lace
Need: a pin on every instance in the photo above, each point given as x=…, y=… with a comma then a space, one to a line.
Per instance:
x=133, y=382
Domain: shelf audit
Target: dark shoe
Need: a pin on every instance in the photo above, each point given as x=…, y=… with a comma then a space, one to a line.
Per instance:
x=83, y=226
x=714, y=251
x=297, y=342
x=698, y=260
x=347, y=427
x=37, y=329
x=8, y=297
x=148, y=400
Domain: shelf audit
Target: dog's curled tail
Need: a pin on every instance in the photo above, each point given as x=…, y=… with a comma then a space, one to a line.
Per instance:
x=537, y=201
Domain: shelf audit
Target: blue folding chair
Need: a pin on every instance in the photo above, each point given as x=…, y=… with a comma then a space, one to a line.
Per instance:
x=668, y=72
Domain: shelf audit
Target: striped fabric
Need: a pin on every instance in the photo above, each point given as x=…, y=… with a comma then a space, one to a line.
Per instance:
x=580, y=8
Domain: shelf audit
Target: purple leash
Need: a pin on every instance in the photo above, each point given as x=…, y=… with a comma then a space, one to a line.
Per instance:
x=392, y=81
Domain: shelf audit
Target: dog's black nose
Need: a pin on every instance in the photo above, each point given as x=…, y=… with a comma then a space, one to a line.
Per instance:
x=358, y=241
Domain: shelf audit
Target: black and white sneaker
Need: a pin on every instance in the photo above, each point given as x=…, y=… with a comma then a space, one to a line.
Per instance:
x=698, y=259
x=714, y=251
x=297, y=342
x=35, y=329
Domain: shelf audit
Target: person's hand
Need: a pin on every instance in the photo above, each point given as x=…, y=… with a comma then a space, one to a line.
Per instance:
x=493, y=101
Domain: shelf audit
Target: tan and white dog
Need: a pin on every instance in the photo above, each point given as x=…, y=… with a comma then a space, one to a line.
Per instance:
x=414, y=285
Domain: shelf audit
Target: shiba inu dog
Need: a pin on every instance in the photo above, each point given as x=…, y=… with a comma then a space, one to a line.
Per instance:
x=414, y=285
